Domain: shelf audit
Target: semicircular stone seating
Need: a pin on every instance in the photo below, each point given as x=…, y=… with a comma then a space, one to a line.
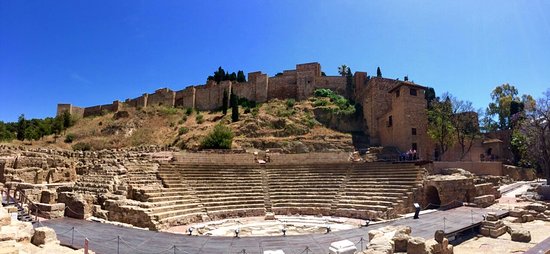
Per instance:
x=199, y=188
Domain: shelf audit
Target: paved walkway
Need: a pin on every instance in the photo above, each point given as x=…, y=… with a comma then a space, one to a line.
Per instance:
x=108, y=238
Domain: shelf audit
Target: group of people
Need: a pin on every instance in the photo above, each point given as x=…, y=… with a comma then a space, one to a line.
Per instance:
x=409, y=155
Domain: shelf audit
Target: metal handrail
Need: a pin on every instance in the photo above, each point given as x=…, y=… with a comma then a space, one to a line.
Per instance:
x=19, y=201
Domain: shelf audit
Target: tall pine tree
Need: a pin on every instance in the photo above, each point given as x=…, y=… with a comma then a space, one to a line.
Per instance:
x=225, y=102
x=241, y=77
x=378, y=72
x=234, y=108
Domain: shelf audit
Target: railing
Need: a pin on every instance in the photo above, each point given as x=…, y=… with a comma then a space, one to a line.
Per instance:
x=19, y=199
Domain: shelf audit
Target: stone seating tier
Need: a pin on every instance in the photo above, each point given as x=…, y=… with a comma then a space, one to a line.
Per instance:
x=192, y=190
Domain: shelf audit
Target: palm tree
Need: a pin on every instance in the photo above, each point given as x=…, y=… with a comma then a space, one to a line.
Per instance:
x=343, y=70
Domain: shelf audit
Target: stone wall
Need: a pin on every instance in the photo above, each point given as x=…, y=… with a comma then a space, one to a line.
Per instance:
x=376, y=104
x=260, y=81
x=282, y=87
x=139, y=102
x=407, y=112
x=210, y=96
x=244, y=90
x=479, y=168
x=73, y=110
x=162, y=97
x=373, y=93
x=185, y=98
x=335, y=83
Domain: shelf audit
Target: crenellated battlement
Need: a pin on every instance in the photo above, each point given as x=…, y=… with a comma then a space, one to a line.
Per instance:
x=392, y=115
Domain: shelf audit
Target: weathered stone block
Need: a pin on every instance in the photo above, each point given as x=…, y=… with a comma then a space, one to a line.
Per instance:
x=516, y=213
x=527, y=218
x=43, y=235
x=484, y=201
x=5, y=217
x=8, y=247
x=400, y=241
x=491, y=216
x=520, y=235
x=537, y=207
x=416, y=245
x=374, y=233
x=439, y=235
x=18, y=231
x=382, y=244
x=48, y=196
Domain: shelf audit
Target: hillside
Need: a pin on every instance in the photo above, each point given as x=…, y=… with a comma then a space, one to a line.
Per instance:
x=289, y=125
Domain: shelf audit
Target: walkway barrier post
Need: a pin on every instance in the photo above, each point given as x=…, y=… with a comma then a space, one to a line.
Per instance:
x=86, y=245
x=444, y=223
x=174, y=247
x=118, y=244
x=72, y=238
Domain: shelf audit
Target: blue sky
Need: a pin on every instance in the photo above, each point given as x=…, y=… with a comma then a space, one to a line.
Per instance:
x=93, y=52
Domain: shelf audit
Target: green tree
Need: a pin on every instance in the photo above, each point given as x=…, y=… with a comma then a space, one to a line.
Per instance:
x=241, y=77
x=221, y=137
x=349, y=83
x=536, y=131
x=429, y=96
x=32, y=133
x=5, y=133
x=21, y=126
x=465, y=123
x=225, y=101
x=505, y=104
x=343, y=70
x=234, y=107
x=378, y=72
x=440, y=124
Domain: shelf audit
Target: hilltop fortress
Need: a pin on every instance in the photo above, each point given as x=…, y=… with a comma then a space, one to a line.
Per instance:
x=394, y=111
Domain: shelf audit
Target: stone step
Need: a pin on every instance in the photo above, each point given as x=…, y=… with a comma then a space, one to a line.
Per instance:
x=240, y=198
x=359, y=207
x=351, y=184
x=389, y=192
x=90, y=189
x=309, y=192
x=309, y=201
x=235, y=190
x=234, y=207
x=167, y=214
x=326, y=184
x=157, y=199
x=182, y=219
x=217, y=195
x=181, y=207
x=166, y=191
x=308, y=195
x=345, y=203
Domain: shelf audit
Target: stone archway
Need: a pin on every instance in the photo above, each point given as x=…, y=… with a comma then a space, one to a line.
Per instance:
x=432, y=198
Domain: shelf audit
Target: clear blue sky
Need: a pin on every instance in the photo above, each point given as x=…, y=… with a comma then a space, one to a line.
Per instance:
x=93, y=52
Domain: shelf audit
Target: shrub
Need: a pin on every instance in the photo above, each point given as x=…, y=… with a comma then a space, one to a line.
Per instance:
x=69, y=138
x=290, y=103
x=255, y=111
x=189, y=111
x=199, y=118
x=220, y=137
x=320, y=103
x=285, y=112
x=182, y=131
x=167, y=111
x=82, y=146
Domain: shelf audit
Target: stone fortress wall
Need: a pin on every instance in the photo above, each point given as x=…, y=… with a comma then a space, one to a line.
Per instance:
x=377, y=96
